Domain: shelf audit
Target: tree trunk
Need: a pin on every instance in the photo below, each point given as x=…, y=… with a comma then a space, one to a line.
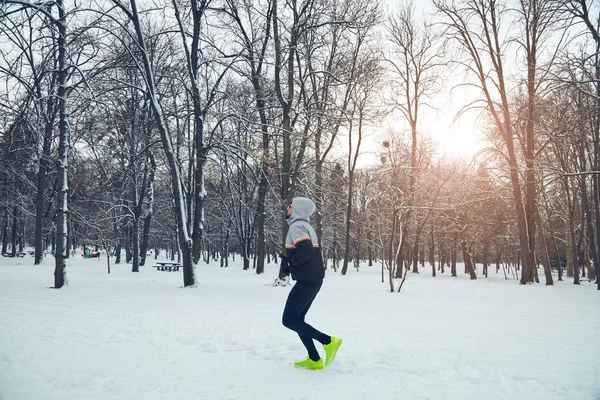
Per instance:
x=107, y=249
x=576, y=279
x=570, y=251
x=558, y=259
x=348, y=219
x=41, y=186
x=246, y=254
x=596, y=177
x=403, y=245
x=352, y=158
x=392, y=255
x=590, y=241
x=453, y=252
x=22, y=236
x=545, y=256
x=432, y=254
x=138, y=201
x=260, y=218
x=135, y=243
x=264, y=176
x=60, y=270
x=225, y=248
x=173, y=244
x=145, y=237
x=467, y=259
x=73, y=238
x=588, y=263
x=128, y=242
x=485, y=258
x=118, y=253
x=369, y=248
x=577, y=258
x=5, y=231
x=357, y=248
x=13, y=236
x=69, y=235
x=534, y=28
x=318, y=190
x=443, y=253
x=415, y=256
x=222, y=248
x=199, y=192
x=143, y=207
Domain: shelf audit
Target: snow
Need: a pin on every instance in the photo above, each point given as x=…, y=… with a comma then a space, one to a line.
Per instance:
x=141, y=336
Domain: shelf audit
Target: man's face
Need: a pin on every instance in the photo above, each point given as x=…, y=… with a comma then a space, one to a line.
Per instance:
x=289, y=210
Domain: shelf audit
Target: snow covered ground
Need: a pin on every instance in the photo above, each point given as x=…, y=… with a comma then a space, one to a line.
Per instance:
x=141, y=336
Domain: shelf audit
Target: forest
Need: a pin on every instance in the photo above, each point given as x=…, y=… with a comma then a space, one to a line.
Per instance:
x=186, y=127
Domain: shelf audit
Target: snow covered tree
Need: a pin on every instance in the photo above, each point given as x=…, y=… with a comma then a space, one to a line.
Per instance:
x=189, y=262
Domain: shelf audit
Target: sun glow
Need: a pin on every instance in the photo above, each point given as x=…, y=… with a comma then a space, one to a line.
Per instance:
x=460, y=138
x=459, y=144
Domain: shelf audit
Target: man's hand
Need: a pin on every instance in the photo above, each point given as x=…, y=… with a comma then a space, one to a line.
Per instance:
x=285, y=266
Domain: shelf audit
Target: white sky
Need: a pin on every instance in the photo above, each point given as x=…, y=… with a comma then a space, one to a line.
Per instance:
x=456, y=138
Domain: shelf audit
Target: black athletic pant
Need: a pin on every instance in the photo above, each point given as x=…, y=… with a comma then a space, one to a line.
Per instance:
x=299, y=301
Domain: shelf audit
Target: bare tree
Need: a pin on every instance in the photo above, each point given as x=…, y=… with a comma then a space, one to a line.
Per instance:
x=362, y=109
x=60, y=274
x=41, y=88
x=476, y=27
x=254, y=38
x=196, y=62
x=331, y=56
x=414, y=59
x=585, y=12
x=286, y=64
x=538, y=18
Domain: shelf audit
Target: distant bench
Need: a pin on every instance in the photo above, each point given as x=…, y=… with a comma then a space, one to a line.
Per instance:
x=19, y=254
x=167, y=266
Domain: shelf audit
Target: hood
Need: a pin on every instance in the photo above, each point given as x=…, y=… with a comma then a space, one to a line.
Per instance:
x=302, y=209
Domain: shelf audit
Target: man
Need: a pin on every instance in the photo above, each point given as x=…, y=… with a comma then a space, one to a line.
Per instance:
x=304, y=261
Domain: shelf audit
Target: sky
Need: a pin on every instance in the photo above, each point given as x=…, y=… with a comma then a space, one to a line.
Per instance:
x=455, y=136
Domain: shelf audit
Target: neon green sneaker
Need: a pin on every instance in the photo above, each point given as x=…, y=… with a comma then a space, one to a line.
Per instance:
x=309, y=364
x=331, y=350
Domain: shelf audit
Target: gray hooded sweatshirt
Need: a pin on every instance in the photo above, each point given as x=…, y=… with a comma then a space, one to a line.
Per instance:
x=301, y=243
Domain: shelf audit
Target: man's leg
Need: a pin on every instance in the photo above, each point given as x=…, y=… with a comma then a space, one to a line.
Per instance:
x=299, y=301
x=307, y=340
